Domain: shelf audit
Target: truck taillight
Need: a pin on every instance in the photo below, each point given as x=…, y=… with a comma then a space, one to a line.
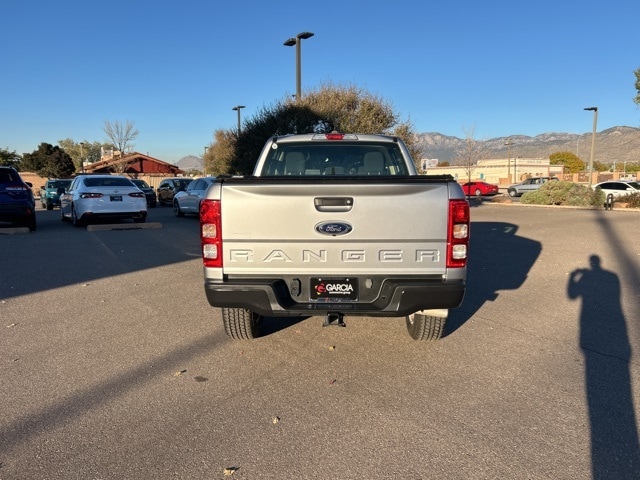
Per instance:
x=211, y=233
x=458, y=234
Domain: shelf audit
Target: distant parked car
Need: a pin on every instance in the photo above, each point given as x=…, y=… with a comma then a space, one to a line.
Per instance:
x=49, y=196
x=149, y=193
x=17, y=203
x=93, y=197
x=479, y=188
x=188, y=201
x=169, y=187
x=528, y=185
x=618, y=188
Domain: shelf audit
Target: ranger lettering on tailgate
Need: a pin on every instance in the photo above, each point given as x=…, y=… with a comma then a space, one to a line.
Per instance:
x=309, y=256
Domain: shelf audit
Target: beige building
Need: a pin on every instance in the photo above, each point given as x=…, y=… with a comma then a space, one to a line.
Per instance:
x=502, y=171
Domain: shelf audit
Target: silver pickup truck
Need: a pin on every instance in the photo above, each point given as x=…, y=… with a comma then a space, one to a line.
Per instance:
x=333, y=225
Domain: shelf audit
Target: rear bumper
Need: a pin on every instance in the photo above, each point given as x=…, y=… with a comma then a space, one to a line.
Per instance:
x=16, y=212
x=89, y=216
x=398, y=297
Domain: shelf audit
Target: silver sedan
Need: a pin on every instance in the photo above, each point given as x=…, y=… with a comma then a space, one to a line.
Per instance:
x=188, y=200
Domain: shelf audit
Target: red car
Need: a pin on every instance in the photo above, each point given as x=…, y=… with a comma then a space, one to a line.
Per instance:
x=479, y=188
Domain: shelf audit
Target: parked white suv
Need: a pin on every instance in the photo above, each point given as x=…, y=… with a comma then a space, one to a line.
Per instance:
x=618, y=188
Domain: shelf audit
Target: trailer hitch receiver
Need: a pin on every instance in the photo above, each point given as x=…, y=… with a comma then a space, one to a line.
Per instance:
x=334, y=318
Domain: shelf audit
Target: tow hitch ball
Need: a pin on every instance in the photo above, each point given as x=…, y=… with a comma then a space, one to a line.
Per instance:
x=334, y=318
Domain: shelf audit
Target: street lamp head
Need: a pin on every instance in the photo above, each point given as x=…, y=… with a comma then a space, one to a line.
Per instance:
x=594, y=109
x=238, y=107
x=294, y=40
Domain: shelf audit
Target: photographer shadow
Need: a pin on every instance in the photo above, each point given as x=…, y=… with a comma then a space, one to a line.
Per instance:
x=604, y=341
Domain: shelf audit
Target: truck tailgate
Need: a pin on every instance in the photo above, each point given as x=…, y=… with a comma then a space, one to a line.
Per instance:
x=271, y=227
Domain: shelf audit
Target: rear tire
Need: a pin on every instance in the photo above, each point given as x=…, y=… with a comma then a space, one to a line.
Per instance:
x=478, y=192
x=241, y=323
x=75, y=221
x=513, y=193
x=176, y=210
x=425, y=327
x=31, y=223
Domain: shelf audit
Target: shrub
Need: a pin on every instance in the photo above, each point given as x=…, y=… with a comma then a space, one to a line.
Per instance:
x=564, y=193
x=632, y=200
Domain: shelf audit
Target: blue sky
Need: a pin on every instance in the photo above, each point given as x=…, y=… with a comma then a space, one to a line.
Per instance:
x=177, y=68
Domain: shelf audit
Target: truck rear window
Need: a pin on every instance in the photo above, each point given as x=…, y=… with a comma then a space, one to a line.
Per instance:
x=340, y=158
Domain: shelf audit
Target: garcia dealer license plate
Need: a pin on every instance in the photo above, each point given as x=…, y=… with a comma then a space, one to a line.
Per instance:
x=334, y=289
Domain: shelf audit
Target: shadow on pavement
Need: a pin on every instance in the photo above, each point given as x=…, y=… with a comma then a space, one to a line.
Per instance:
x=499, y=260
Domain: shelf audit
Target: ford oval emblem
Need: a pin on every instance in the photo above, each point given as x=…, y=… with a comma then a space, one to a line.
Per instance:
x=333, y=228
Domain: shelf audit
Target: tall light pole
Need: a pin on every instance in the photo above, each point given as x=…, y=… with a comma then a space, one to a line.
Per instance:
x=204, y=162
x=238, y=108
x=297, y=41
x=593, y=141
x=508, y=143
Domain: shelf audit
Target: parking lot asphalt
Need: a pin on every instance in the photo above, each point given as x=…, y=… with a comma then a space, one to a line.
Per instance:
x=113, y=365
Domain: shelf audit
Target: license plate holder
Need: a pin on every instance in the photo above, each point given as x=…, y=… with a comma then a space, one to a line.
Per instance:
x=332, y=289
x=116, y=198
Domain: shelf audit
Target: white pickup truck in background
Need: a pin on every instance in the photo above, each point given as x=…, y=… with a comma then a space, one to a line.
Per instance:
x=335, y=225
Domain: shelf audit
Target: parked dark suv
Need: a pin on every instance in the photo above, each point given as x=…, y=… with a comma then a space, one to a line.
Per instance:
x=169, y=187
x=17, y=204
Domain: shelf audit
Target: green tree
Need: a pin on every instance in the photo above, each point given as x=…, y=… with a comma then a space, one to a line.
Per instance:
x=632, y=167
x=220, y=152
x=48, y=161
x=571, y=162
x=83, y=151
x=9, y=159
x=599, y=166
x=347, y=109
x=637, y=74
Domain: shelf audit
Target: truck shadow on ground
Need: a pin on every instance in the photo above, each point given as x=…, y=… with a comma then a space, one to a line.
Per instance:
x=499, y=260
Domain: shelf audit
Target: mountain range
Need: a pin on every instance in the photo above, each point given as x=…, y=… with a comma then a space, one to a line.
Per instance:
x=190, y=162
x=616, y=144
